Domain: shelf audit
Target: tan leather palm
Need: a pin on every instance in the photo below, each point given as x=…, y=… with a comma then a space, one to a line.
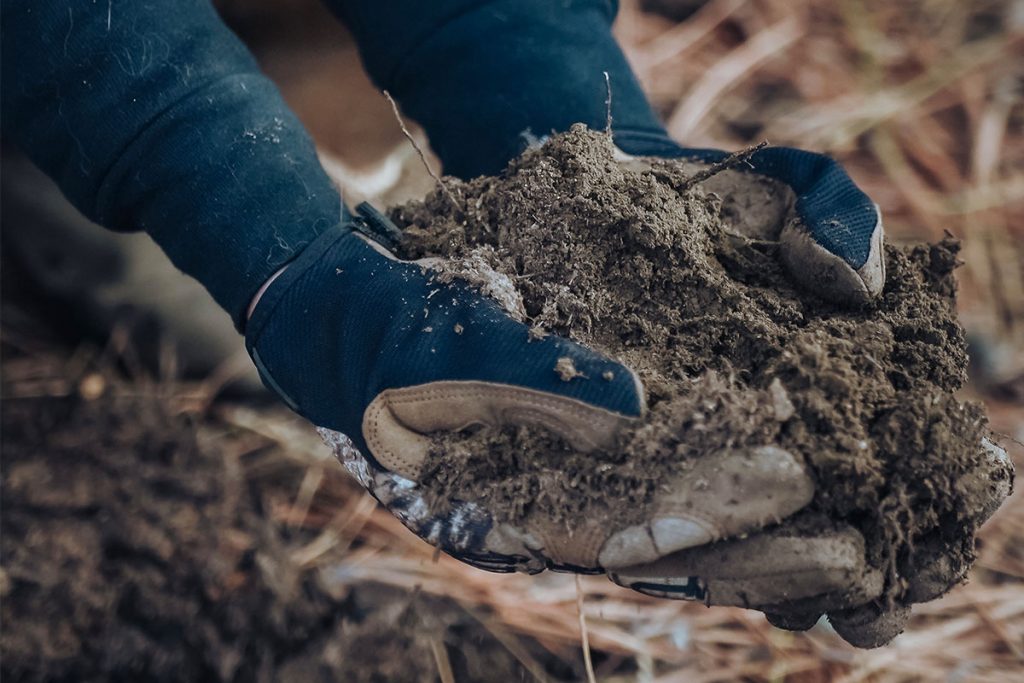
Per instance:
x=397, y=422
x=722, y=495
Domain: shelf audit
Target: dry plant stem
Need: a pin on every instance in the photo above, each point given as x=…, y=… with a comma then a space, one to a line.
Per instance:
x=608, y=105
x=444, y=665
x=731, y=161
x=591, y=678
x=423, y=157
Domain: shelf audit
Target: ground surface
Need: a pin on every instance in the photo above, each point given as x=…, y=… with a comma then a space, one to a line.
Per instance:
x=140, y=542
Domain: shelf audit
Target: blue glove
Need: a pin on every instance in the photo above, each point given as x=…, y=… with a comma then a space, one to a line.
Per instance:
x=384, y=351
x=387, y=352
x=830, y=232
x=380, y=350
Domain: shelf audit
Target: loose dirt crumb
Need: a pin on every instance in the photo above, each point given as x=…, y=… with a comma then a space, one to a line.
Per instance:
x=566, y=369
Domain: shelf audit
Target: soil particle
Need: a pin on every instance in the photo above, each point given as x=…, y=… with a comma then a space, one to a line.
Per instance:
x=566, y=369
x=731, y=353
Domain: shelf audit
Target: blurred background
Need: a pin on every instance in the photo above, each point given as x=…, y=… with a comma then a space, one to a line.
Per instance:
x=164, y=520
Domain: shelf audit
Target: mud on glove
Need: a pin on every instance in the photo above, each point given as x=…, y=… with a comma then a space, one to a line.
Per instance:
x=830, y=232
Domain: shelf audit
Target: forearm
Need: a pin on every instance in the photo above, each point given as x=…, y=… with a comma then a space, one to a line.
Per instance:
x=477, y=74
x=154, y=116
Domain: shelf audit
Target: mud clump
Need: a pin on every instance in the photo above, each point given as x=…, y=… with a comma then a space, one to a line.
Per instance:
x=731, y=352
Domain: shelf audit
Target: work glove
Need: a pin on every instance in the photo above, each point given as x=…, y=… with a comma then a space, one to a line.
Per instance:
x=810, y=566
x=387, y=352
x=830, y=238
x=830, y=233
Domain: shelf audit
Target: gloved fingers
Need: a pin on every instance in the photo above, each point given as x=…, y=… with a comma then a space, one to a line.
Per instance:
x=871, y=625
x=834, y=245
x=990, y=483
x=822, y=270
x=779, y=571
x=793, y=620
x=931, y=570
x=831, y=234
x=723, y=495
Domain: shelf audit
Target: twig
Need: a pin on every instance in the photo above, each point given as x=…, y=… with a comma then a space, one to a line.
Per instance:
x=423, y=157
x=444, y=665
x=608, y=105
x=587, y=663
x=734, y=159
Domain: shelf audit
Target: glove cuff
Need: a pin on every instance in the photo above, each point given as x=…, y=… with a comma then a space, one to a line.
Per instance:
x=264, y=308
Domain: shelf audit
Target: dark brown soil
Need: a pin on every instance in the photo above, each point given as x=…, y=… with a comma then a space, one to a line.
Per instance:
x=731, y=352
x=135, y=549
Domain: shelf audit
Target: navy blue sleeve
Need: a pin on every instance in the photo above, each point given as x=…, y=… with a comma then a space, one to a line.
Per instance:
x=151, y=115
x=478, y=74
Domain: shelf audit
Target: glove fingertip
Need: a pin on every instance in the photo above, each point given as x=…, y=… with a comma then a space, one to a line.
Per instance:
x=869, y=626
x=826, y=273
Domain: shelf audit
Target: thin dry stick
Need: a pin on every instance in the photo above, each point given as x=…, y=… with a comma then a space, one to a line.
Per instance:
x=583, y=632
x=423, y=157
x=444, y=665
x=608, y=105
x=734, y=159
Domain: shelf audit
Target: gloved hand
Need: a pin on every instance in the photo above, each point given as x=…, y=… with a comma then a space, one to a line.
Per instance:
x=810, y=566
x=830, y=232
x=384, y=352
x=830, y=237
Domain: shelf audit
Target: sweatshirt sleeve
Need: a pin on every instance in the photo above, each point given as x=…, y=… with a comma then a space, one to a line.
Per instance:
x=483, y=76
x=151, y=115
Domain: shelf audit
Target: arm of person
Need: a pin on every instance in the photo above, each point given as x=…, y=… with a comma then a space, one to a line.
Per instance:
x=154, y=116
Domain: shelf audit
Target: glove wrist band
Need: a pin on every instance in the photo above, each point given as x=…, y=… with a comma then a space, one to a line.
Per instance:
x=263, y=304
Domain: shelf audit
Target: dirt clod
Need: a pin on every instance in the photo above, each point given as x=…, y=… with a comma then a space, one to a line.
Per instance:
x=732, y=354
x=566, y=369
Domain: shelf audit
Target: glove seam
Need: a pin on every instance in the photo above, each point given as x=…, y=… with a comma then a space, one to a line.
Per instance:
x=295, y=269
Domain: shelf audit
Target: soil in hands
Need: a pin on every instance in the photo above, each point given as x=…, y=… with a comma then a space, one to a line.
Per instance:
x=731, y=352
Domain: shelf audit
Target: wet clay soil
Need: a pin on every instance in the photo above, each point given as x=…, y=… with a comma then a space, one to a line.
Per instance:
x=731, y=352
